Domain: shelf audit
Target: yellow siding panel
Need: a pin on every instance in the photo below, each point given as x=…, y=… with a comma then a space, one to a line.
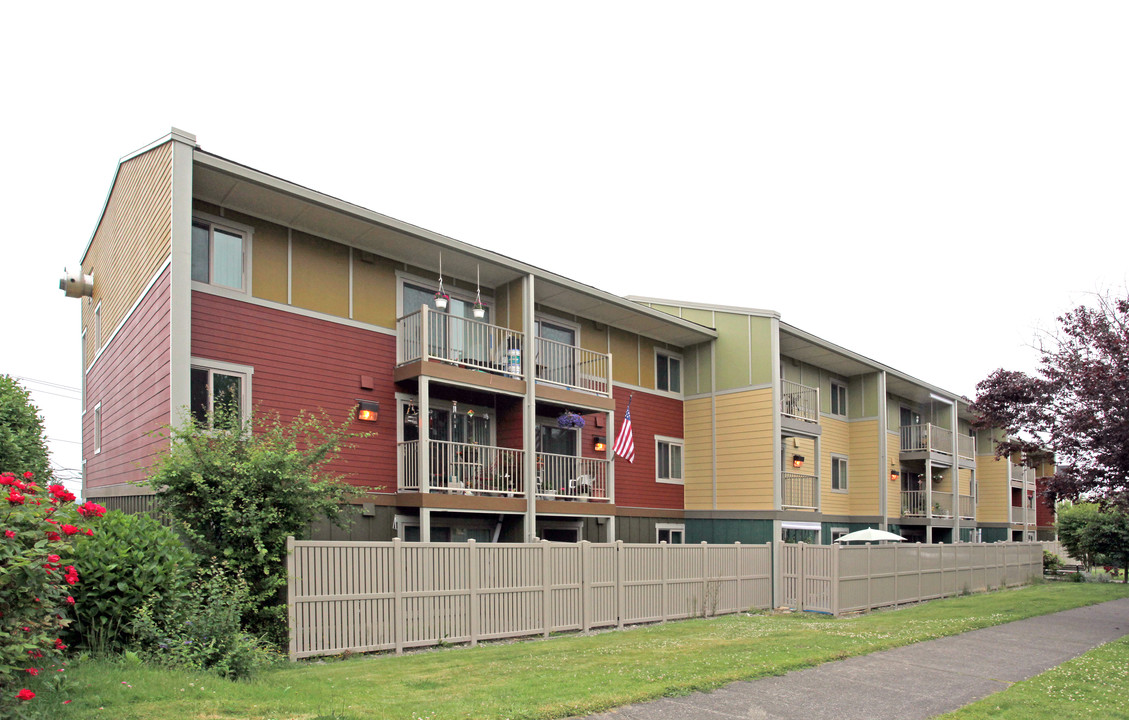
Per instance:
x=894, y=489
x=269, y=260
x=374, y=290
x=132, y=241
x=836, y=439
x=321, y=278
x=592, y=338
x=865, y=474
x=745, y=450
x=698, y=436
x=995, y=493
x=646, y=363
x=625, y=356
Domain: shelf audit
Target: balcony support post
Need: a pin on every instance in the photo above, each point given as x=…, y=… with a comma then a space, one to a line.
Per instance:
x=883, y=461
x=956, y=475
x=424, y=458
x=928, y=493
x=609, y=455
x=529, y=407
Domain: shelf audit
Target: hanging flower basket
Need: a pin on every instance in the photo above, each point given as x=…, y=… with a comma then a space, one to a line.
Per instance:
x=441, y=299
x=569, y=419
x=479, y=310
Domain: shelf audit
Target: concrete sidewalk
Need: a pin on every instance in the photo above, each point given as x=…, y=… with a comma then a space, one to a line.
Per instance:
x=915, y=681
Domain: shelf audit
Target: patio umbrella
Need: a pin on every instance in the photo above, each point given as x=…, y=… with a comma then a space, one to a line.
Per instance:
x=870, y=535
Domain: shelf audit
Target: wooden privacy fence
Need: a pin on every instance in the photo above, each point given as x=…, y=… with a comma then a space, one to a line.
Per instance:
x=366, y=596
x=836, y=579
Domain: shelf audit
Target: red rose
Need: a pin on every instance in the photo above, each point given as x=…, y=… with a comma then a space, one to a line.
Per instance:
x=90, y=509
x=25, y=694
x=70, y=600
x=53, y=558
x=29, y=475
x=33, y=671
x=53, y=536
x=15, y=498
x=89, y=532
x=59, y=644
x=69, y=529
x=9, y=534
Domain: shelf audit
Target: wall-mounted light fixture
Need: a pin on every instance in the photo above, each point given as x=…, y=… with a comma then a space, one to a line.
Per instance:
x=797, y=461
x=368, y=411
x=599, y=443
x=894, y=475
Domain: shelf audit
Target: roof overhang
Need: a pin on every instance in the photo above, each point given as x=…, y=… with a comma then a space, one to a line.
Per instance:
x=228, y=184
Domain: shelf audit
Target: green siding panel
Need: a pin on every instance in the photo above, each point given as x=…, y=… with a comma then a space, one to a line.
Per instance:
x=761, y=355
x=726, y=531
x=732, y=351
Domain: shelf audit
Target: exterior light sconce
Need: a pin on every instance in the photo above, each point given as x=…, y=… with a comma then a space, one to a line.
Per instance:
x=368, y=411
x=600, y=443
x=797, y=461
x=894, y=475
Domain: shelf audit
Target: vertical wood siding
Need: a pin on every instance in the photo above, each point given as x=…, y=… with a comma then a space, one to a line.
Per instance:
x=304, y=363
x=132, y=241
x=131, y=381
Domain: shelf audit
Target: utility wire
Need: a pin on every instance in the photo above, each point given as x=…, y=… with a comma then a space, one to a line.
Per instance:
x=46, y=382
x=72, y=442
x=47, y=392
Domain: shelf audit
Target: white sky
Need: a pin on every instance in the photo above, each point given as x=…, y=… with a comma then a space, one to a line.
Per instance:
x=924, y=183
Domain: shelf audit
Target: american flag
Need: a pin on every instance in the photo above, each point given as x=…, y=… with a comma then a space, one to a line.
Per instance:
x=624, y=442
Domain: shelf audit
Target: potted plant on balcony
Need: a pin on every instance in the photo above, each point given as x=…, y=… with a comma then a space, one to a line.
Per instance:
x=479, y=310
x=569, y=419
x=441, y=299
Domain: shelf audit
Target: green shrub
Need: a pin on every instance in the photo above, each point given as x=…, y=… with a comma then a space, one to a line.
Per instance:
x=202, y=631
x=1051, y=562
x=132, y=561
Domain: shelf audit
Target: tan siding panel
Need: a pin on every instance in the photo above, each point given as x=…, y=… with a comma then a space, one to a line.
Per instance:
x=865, y=475
x=374, y=290
x=745, y=450
x=995, y=495
x=894, y=494
x=625, y=357
x=132, y=241
x=321, y=278
x=836, y=439
x=646, y=363
x=698, y=435
x=269, y=261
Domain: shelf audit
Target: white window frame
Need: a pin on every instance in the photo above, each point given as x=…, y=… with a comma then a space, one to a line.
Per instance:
x=577, y=526
x=662, y=439
x=245, y=372
x=662, y=353
x=83, y=393
x=539, y=318
x=400, y=523
x=403, y=278
x=244, y=231
x=98, y=328
x=844, y=473
x=671, y=528
x=838, y=532
x=98, y=428
x=833, y=397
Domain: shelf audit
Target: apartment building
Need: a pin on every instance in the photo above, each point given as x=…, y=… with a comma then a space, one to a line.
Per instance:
x=208, y=282
x=492, y=390
x=790, y=436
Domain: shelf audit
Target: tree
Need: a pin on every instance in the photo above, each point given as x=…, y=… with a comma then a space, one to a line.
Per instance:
x=1094, y=536
x=236, y=495
x=1075, y=410
x=23, y=446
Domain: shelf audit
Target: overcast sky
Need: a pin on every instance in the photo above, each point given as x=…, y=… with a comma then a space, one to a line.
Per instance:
x=924, y=183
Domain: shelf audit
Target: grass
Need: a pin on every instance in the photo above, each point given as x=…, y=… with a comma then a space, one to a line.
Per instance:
x=1093, y=685
x=562, y=676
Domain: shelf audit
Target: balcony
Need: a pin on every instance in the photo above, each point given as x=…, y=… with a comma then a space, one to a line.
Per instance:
x=967, y=507
x=915, y=503
x=798, y=491
x=927, y=438
x=966, y=447
x=799, y=401
x=1019, y=514
x=484, y=470
x=573, y=367
x=1020, y=475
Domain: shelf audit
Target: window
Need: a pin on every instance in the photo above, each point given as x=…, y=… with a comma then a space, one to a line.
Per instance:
x=219, y=391
x=98, y=428
x=217, y=255
x=838, y=399
x=443, y=531
x=838, y=473
x=668, y=372
x=668, y=460
x=838, y=532
x=97, y=327
x=83, y=369
x=670, y=533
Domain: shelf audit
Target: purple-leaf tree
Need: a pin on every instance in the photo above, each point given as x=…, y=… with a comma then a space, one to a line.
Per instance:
x=1075, y=408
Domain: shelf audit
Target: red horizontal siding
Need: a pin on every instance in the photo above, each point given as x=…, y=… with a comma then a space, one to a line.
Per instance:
x=651, y=415
x=303, y=363
x=131, y=381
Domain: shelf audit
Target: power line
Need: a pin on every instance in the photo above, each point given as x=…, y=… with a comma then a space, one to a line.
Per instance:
x=47, y=392
x=72, y=442
x=47, y=382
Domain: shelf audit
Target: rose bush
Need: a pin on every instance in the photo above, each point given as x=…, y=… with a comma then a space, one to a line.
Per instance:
x=37, y=578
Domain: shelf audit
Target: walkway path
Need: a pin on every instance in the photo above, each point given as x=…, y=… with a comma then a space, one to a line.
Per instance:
x=915, y=681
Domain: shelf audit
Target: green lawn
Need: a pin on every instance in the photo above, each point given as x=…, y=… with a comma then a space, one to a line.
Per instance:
x=1094, y=685
x=548, y=678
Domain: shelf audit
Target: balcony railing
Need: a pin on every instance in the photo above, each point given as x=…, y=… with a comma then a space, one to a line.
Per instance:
x=914, y=503
x=1019, y=514
x=1019, y=473
x=799, y=401
x=927, y=437
x=463, y=468
x=459, y=341
x=966, y=446
x=567, y=477
x=967, y=506
x=799, y=491
x=573, y=367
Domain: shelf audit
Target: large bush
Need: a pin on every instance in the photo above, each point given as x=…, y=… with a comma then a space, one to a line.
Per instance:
x=22, y=444
x=38, y=576
x=132, y=561
x=236, y=495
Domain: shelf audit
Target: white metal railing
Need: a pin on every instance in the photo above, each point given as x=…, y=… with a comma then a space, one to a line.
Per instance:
x=799, y=401
x=573, y=367
x=1019, y=514
x=463, y=468
x=799, y=491
x=966, y=446
x=927, y=437
x=568, y=477
x=914, y=503
x=967, y=506
x=459, y=341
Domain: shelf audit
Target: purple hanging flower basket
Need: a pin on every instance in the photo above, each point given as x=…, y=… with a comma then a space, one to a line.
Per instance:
x=569, y=419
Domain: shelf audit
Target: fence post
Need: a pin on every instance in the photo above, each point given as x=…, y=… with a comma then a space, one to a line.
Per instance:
x=585, y=586
x=801, y=577
x=620, y=572
x=737, y=574
x=546, y=587
x=870, y=577
x=398, y=592
x=472, y=570
x=705, y=576
x=917, y=547
x=662, y=585
x=835, y=579
x=291, y=614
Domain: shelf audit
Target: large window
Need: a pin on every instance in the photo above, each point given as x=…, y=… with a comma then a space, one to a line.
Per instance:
x=219, y=392
x=98, y=428
x=838, y=473
x=668, y=460
x=838, y=399
x=217, y=255
x=668, y=372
